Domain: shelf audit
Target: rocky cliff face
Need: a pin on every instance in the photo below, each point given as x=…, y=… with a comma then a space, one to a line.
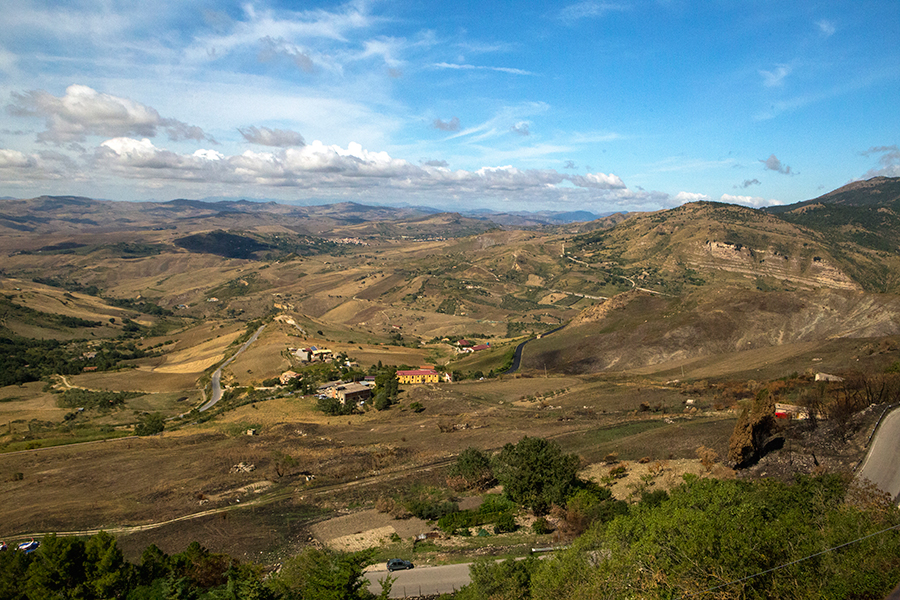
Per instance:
x=810, y=273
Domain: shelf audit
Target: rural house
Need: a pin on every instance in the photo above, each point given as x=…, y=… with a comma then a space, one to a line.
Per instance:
x=419, y=376
x=353, y=393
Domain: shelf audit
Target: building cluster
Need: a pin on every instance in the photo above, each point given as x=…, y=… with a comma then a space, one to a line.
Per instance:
x=465, y=346
x=312, y=354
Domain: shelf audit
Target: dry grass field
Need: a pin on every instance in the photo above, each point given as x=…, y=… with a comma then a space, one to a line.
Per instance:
x=303, y=467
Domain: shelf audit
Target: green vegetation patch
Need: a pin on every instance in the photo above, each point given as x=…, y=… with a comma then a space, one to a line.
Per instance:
x=78, y=398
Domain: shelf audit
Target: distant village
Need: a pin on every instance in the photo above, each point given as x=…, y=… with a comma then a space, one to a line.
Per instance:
x=358, y=392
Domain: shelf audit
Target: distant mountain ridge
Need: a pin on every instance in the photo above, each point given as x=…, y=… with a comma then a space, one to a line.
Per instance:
x=879, y=191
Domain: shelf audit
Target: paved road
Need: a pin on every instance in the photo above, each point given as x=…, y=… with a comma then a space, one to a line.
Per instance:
x=445, y=579
x=217, y=376
x=517, y=356
x=881, y=466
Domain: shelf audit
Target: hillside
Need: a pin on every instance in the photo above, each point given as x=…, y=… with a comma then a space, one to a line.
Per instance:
x=637, y=329
x=860, y=224
x=709, y=243
x=711, y=279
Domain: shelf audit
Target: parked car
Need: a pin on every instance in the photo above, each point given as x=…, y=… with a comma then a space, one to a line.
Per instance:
x=398, y=564
x=28, y=547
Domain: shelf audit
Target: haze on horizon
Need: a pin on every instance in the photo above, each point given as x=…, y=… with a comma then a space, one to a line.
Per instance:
x=598, y=106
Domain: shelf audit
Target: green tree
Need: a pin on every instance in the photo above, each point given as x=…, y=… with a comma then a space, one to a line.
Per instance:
x=535, y=473
x=108, y=573
x=323, y=575
x=13, y=569
x=506, y=580
x=150, y=424
x=57, y=570
x=472, y=470
x=711, y=533
x=387, y=388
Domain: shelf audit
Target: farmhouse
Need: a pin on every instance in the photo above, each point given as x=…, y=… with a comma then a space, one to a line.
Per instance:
x=418, y=376
x=287, y=377
x=353, y=393
x=313, y=354
x=423, y=376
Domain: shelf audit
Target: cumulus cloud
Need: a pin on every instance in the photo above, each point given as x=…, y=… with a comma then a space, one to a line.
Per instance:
x=598, y=180
x=279, y=138
x=84, y=111
x=889, y=161
x=522, y=128
x=776, y=77
x=335, y=170
x=747, y=183
x=451, y=125
x=773, y=164
x=570, y=164
x=683, y=197
x=437, y=163
x=19, y=167
x=752, y=201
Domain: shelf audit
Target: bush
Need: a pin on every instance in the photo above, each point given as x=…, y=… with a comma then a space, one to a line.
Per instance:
x=473, y=470
x=505, y=524
x=150, y=424
x=541, y=526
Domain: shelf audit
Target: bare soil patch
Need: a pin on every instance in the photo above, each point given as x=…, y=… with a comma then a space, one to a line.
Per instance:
x=652, y=475
x=365, y=529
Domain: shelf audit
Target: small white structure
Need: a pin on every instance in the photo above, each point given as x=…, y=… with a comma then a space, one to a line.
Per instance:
x=827, y=377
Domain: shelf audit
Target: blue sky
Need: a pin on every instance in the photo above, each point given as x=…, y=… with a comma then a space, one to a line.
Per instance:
x=600, y=106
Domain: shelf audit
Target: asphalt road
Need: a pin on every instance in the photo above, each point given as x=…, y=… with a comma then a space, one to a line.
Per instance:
x=517, y=355
x=217, y=376
x=881, y=466
x=420, y=581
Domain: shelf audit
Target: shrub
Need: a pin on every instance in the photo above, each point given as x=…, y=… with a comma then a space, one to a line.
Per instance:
x=505, y=524
x=150, y=424
x=541, y=526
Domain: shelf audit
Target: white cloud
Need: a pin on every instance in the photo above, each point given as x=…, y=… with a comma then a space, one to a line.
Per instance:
x=889, y=161
x=776, y=77
x=333, y=170
x=598, y=180
x=826, y=27
x=18, y=167
x=752, y=201
x=84, y=111
x=464, y=67
x=683, y=197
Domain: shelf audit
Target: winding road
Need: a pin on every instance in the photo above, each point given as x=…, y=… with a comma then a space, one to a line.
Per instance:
x=517, y=355
x=217, y=376
x=881, y=466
